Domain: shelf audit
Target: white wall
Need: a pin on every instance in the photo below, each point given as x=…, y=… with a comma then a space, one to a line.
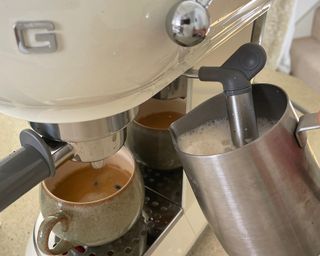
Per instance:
x=304, y=17
x=303, y=6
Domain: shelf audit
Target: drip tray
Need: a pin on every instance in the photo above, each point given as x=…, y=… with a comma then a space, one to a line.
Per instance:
x=162, y=208
x=167, y=183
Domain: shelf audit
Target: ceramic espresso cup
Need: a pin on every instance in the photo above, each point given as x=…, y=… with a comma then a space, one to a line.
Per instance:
x=90, y=223
x=152, y=146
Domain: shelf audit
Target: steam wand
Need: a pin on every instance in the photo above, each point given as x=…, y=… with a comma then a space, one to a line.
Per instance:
x=235, y=75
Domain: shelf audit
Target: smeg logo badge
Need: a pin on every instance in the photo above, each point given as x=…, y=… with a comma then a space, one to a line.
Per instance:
x=43, y=42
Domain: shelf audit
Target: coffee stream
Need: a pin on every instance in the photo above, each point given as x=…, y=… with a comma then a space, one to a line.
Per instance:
x=87, y=184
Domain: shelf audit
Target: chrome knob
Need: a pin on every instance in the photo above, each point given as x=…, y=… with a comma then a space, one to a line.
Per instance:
x=188, y=23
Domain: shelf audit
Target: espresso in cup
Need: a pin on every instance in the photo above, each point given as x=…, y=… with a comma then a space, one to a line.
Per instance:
x=161, y=120
x=87, y=184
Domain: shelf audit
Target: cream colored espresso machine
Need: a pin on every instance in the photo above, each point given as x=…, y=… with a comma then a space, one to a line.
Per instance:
x=78, y=70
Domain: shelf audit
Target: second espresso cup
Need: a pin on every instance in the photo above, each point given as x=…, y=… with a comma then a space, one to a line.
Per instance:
x=90, y=223
x=151, y=142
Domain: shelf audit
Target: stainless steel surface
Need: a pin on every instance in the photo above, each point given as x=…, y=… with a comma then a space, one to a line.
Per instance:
x=83, y=131
x=21, y=28
x=258, y=29
x=62, y=154
x=188, y=23
x=176, y=89
x=204, y=3
x=99, y=149
x=92, y=140
x=191, y=73
x=261, y=199
x=93, y=151
x=242, y=119
x=164, y=232
x=307, y=122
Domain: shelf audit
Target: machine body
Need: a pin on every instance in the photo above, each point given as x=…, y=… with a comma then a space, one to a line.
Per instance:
x=75, y=61
x=83, y=90
x=77, y=70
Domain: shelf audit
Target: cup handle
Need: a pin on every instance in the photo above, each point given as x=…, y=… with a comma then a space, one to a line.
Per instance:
x=306, y=123
x=44, y=231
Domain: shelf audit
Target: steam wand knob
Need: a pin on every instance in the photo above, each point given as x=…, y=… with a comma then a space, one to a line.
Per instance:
x=235, y=75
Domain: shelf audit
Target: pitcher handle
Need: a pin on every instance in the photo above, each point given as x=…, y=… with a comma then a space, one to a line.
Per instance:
x=306, y=123
x=44, y=232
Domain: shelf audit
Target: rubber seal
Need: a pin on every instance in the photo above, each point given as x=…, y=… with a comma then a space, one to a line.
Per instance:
x=29, y=137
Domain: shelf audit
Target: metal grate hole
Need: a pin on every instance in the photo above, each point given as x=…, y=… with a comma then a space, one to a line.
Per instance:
x=152, y=225
x=128, y=250
x=148, y=211
x=164, y=209
x=135, y=240
x=110, y=253
x=155, y=203
x=160, y=184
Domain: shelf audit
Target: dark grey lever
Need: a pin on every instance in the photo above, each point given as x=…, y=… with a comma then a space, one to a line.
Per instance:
x=235, y=74
x=24, y=168
x=249, y=59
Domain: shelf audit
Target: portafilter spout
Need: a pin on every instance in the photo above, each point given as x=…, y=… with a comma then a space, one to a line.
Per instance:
x=235, y=75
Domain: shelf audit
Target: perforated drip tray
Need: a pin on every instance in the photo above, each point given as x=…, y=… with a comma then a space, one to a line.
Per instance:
x=159, y=215
x=166, y=183
x=133, y=243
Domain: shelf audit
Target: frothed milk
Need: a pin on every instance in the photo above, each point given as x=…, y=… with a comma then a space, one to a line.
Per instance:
x=214, y=137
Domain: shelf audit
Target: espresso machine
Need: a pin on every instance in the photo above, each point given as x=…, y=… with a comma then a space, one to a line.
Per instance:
x=78, y=71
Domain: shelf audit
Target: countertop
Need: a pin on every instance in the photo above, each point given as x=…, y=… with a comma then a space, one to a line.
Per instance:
x=18, y=219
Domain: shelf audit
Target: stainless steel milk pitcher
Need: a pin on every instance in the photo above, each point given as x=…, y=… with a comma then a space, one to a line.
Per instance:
x=263, y=198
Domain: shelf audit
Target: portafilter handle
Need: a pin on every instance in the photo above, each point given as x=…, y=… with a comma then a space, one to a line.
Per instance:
x=235, y=75
x=25, y=168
